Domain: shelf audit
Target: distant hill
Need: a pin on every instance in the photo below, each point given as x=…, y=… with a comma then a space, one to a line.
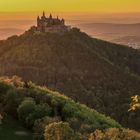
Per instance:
x=126, y=34
x=12, y=27
x=6, y=32
x=100, y=74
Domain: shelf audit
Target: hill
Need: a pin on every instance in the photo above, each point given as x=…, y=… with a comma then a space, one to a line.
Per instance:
x=36, y=108
x=126, y=34
x=97, y=73
x=5, y=32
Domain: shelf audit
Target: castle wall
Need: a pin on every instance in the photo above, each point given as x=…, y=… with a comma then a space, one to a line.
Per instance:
x=51, y=24
x=55, y=29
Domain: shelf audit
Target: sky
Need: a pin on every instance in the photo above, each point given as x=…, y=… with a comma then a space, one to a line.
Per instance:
x=70, y=5
x=16, y=15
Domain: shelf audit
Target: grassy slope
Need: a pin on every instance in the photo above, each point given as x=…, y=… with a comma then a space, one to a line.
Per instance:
x=64, y=107
x=12, y=130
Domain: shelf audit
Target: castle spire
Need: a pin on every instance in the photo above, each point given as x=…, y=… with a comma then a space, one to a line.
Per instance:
x=43, y=14
x=38, y=17
x=50, y=16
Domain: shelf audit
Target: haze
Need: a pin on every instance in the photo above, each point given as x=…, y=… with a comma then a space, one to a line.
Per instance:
x=17, y=16
x=71, y=5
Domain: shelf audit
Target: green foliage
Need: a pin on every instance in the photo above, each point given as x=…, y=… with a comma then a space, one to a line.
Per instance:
x=37, y=107
x=59, y=131
x=74, y=123
x=25, y=108
x=57, y=104
x=38, y=112
x=3, y=89
x=40, y=124
x=114, y=134
x=91, y=71
x=69, y=110
x=11, y=129
x=12, y=101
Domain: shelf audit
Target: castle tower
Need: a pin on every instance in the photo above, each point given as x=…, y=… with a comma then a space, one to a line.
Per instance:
x=43, y=14
x=63, y=21
x=38, y=21
x=50, y=16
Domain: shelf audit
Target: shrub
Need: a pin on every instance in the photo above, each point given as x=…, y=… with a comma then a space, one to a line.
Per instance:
x=40, y=124
x=57, y=104
x=59, y=131
x=38, y=112
x=14, y=80
x=12, y=100
x=4, y=87
x=86, y=128
x=114, y=134
x=26, y=108
x=135, y=104
x=69, y=110
x=74, y=123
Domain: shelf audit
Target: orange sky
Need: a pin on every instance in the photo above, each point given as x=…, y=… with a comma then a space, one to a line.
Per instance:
x=29, y=9
x=74, y=11
x=71, y=5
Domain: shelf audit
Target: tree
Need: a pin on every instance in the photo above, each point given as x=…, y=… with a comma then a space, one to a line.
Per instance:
x=25, y=108
x=11, y=102
x=59, y=131
x=114, y=134
x=135, y=104
x=39, y=112
x=40, y=124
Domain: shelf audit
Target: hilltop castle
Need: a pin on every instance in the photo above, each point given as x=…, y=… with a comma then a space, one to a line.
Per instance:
x=50, y=24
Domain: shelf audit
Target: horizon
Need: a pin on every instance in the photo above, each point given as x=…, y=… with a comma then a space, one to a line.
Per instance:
x=15, y=23
x=133, y=17
x=17, y=17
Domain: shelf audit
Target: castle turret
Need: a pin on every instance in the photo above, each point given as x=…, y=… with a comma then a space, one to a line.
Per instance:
x=43, y=14
x=50, y=16
x=63, y=21
x=38, y=20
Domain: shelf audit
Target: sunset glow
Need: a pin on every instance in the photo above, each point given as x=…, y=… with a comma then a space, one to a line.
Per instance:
x=70, y=5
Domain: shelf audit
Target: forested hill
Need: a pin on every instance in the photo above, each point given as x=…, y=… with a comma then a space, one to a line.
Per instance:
x=100, y=74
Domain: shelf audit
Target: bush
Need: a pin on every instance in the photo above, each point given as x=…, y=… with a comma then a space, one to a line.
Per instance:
x=69, y=110
x=12, y=100
x=4, y=87
x=114, y=134
x=14, y=81
x=74, y=123
x=135, y=104
x=40, y=124
x=39, y=111
x=57, y=104
x=59, y=131
x=26, y=108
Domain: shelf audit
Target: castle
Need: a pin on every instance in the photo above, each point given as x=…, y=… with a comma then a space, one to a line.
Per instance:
x=50, y=24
